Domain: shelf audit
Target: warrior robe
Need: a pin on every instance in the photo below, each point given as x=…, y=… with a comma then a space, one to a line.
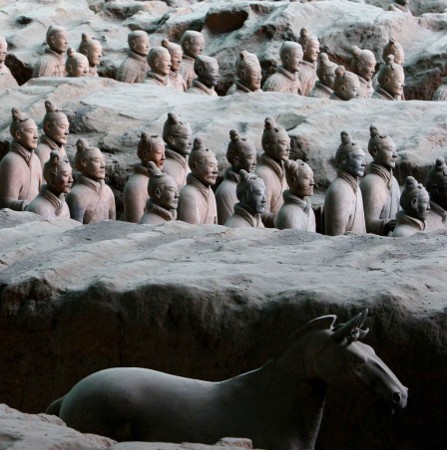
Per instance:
x=226, y=196
x=133, y=69
x=135, y=194
x=296, y=213
x=407, y=226
x=49, y=205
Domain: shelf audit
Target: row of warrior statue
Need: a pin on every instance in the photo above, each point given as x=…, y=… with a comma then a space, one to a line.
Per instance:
x=303, y=69
x=176, y=175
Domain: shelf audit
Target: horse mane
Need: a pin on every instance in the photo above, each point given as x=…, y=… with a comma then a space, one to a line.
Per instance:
x=320, y=323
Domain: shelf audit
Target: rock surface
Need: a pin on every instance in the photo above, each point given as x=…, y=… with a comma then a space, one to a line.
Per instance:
x=211, y=302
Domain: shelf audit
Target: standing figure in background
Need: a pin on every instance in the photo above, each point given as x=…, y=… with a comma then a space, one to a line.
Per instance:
x=346, y=85
x=207, y=70
x=51, y=199
x=415, y=203
x=324, y=86
x=363, y=64
x=90, y=200
x=380, y=189
x=285, y=79
x=276, y=146
x=343, y=203
x=250, y=192
x=134, y=68
x=176, y=79
x=52, y=63
x=248, y=74
x=197, y=204
x=178, y=137
x=92, y=49
x=241, y=154
x=192, y=43
x=160, y=63
x=307, y=73
x=7, y=81
x=77, y=64
x=135, y=196
x=297, y=212
x=56, y=129
x=20, y=168
x=391, y=80
x=436, y=185
x=162, y=203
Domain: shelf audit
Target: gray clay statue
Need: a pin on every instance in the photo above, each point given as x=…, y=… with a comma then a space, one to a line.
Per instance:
x=177, y=135
x=248, y=74
x=77, y=64
x=346, y=85
x=363, y=64
x=7, y=81
x=56, y=129
x=307, y=73
x=92, y=49
x=250, y=192
x=241, y=154
x=90, y=200
x=197, y=203
x=401, y=6
x=176, y=79
x=343, y=203
x=134, y=68
x=159, y=60
x=162, y=203
x=391, y=80
x=192, y=43
x=207, y=70
x=285, y=79
x=276, y=146
x=324, y=86
x=50, y=202
x=380, y=189
x=297, y=212
x=436, y=185
x=415, y=203
x=279, y=406
x=135, y=194
x=20, y=168
x=52, y=63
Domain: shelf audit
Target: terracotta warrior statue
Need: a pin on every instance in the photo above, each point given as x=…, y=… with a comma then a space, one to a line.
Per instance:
x=285, y=79
x=135, y=66
x=90, y=200
x=436, y=185
x=391, y=80
x=241, y=154
x=207, y=70
x=20, y=168
x=346, y=85
x=276, y=146
x=380, y=189
x=163, y=196
x=159, y=60
x=197, y=204
x=7, y=81
x=307, y=73
x=297, y=212
x=92, y=49
x=324, y=86
x=177, y=135
x=51, y=199
x=77, y=64
x=343, y=203
x=363, y=64
x=392, y=47
x=248, y=74
x=56, y=129
x=192, y=43
x=251, y=195
x=135, y=194
x=400, y=6
x=52, y=63
x=176, y=79
x=415, y=204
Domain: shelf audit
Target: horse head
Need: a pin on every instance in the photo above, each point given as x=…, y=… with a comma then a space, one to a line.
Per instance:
x=343, y=360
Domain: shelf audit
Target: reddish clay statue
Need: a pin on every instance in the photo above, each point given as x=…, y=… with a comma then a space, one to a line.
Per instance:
x=52, y=63
x=176, y=79
x=324, y=86
x=159, y=60
x=135, y=66
x=207, y=71
x=346, y=85
x=92, y=49
x=363, y=64
x=192, y=43
x=391, y=80
x=248, y=74
x=307, y=73
x=77, y=64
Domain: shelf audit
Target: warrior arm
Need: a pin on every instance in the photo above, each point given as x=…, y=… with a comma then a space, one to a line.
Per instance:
x=188, y=210
x=77, y=210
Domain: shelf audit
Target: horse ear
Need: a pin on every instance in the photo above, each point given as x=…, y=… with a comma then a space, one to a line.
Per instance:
x=352, y=330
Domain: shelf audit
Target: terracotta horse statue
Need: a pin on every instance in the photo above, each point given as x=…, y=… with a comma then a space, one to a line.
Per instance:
x=278, y=406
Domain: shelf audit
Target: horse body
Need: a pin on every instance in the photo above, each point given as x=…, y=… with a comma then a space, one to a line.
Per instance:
x=278, y=406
